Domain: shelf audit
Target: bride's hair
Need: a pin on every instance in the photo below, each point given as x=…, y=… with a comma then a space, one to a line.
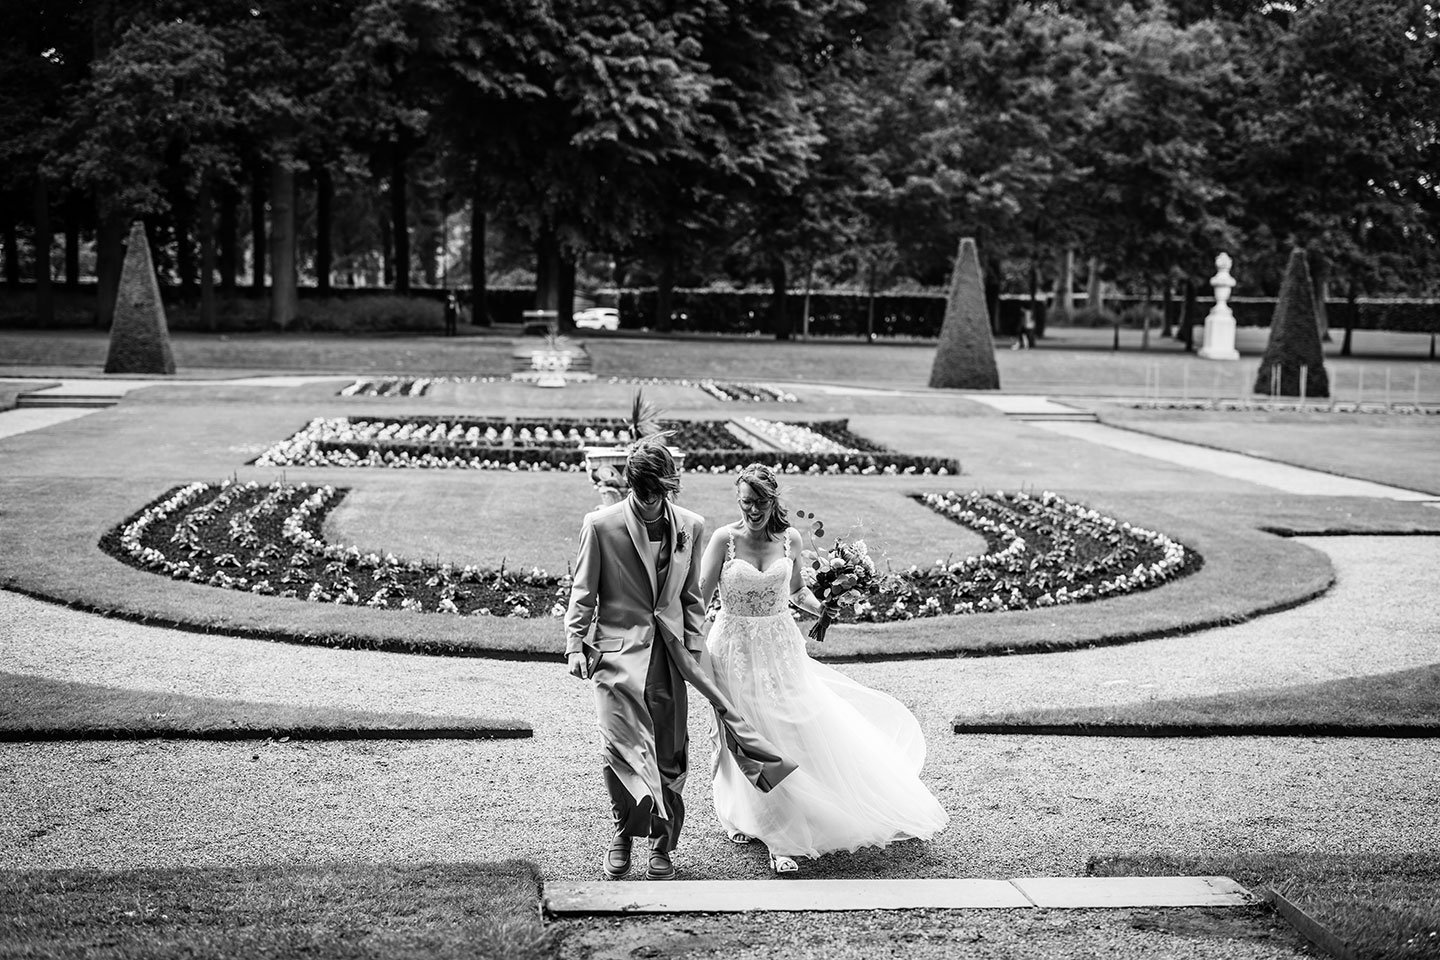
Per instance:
x=766, y=485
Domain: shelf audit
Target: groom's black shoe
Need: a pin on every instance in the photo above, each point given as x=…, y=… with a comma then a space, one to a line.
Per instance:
x=617, y=858
x=660, y=866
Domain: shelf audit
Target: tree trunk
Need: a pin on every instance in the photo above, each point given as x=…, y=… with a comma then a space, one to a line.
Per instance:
x=74, y=211
x=1094, y=288
x=182, y=218
x=12, y=254
x=1145, y=319
x=109, y=258
x=1320, y=278
x=1034, y=298
x=387, y=252
x=324, y=201
x=1187, y=317
x=565, y=290
x=1352, y=316
x=284, y=293
x=44, y=237
x=779, y=316
x=400, y=210
x=479, y=303
x=1065, y=284
x=547, y=272
x=665, y=291
x=226, y=237
x=205, y=204
x=479, y=285
x=870, y=306
x=994, y=270
x=1168, y=330
x=257, y=229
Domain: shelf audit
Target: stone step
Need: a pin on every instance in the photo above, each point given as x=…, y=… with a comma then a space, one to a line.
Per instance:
x=1081, y=416
x=66, y=400
x=788, y=894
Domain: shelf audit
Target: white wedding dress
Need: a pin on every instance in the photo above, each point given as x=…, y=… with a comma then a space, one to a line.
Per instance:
x=859, y=751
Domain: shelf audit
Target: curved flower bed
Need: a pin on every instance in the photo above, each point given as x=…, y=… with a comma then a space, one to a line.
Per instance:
x=1044, y=551
x=474, y=443
x=266, y=539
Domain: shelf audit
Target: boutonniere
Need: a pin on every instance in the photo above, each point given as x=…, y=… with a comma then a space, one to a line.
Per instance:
x=681, y=538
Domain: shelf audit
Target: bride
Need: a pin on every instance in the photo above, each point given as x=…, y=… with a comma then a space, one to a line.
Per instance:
x=859, y=751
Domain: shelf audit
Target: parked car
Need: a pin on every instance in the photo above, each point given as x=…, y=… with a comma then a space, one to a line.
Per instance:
x=598, y=318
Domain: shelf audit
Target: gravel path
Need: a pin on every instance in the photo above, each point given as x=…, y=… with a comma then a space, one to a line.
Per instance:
x=1020, y=806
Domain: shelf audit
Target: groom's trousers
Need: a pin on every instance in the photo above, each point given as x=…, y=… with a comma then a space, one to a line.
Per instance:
x=643, y=721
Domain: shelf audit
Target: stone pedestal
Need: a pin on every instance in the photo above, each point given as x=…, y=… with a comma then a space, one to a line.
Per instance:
x=1219, y=341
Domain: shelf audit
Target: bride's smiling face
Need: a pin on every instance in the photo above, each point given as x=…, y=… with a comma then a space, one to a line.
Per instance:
x=754, y=508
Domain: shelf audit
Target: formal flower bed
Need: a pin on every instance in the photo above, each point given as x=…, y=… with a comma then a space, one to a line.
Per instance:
x=557, y=444
x=266, y=539
x=1043, y=551
x=392, y=386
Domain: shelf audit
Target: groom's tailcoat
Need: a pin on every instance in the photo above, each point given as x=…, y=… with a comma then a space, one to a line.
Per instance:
x=640, y=628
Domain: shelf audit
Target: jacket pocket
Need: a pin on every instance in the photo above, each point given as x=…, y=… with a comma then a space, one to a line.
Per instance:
x=608, y=644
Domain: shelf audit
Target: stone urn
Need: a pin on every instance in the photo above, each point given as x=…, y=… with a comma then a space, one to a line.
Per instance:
x=605, y=466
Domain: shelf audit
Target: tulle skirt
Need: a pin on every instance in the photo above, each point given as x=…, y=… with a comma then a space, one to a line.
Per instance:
x=859, y=751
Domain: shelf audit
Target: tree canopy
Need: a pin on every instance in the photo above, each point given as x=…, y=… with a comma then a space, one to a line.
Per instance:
x=850, y=141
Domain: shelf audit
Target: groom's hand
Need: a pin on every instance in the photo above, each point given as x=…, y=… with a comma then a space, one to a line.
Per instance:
x=575, y=665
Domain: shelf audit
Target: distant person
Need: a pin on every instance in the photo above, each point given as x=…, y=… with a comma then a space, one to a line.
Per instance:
x=452, y=313
x=1026, y=339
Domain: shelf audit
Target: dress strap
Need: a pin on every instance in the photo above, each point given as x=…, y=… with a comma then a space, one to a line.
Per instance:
x=730, y=548
x=787, y=544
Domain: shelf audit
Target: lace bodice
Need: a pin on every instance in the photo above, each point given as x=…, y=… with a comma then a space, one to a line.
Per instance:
x=748, y=592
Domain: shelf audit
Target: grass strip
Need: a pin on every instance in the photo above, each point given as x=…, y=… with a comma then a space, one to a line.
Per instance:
x=38, y=708
x=1405, y=703
x=319, y=911
x=1382, y=906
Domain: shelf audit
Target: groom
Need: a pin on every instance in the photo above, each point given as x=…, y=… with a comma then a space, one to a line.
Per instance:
x=633, y=627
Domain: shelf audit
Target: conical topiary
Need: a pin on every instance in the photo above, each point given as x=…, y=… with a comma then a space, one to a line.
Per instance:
x=1294, y=338
x=139, y=336
x=965, y=359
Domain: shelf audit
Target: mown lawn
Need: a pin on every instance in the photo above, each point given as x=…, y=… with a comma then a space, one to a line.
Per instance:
x=322, y=911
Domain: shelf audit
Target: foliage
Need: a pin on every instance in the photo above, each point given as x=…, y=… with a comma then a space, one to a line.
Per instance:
x=1294, y=339
x=965, y=358
x=139, y=338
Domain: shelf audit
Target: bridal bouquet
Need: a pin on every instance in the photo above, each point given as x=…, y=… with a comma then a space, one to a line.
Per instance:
x=844, y=574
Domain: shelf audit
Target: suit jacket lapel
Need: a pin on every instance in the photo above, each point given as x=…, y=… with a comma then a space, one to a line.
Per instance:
x=641, y=539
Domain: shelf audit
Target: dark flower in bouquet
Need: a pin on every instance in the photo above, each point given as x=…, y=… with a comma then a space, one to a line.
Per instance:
x=842, y=576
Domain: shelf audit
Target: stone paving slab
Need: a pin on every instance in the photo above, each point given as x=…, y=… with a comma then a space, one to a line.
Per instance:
x=1268, y=473
x=1108, y=892
x=13, y=422
x=736, y=896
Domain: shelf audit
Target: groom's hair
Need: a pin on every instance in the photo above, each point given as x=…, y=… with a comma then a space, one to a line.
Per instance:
x=650, y=470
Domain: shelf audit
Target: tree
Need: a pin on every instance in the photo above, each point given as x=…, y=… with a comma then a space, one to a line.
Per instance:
x=139, y=338
x=965, y=357
x=1294, y=346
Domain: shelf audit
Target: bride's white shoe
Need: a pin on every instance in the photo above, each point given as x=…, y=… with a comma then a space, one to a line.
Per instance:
x=738, y=838
x=783, y=864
